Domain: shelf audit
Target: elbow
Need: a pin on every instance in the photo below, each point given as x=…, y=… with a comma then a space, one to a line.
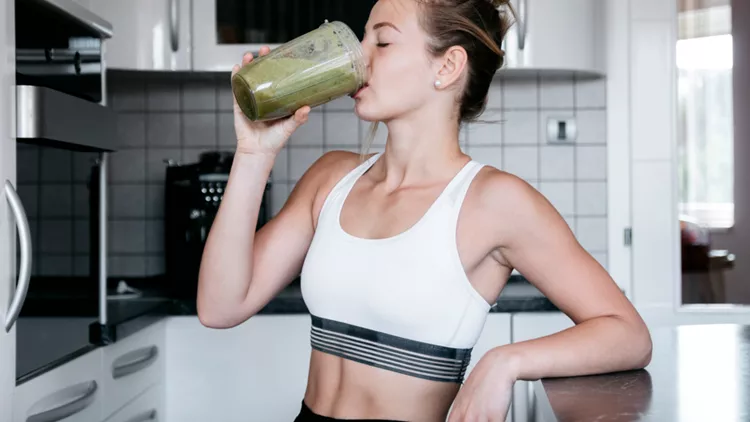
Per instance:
x=217, y=318
x=209, y=320
x=643, y=346
x=646, y=351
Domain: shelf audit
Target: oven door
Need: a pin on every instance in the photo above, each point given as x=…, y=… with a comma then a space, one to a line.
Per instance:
x=59, y=189
x=224, y=30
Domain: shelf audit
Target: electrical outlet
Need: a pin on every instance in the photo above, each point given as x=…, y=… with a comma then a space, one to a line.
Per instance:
x=561, y=130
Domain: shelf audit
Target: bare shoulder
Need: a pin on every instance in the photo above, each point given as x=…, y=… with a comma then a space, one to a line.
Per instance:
x=495, y=190
x=327, y=170
x=506, y=205
x=322, y=176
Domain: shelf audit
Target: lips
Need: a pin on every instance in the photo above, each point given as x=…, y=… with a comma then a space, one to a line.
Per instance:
x=360, y=90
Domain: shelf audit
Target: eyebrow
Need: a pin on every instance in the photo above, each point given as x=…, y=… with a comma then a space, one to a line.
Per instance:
x=383, y=24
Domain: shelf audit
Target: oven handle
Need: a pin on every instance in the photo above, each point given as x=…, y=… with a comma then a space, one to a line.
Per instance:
x=24, y=272
x=174, y=25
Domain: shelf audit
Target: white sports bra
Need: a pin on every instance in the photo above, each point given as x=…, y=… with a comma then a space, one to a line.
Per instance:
x=402, y=303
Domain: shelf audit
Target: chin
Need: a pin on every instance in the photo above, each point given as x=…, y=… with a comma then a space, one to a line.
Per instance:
x=369, y=113
x=366, y=113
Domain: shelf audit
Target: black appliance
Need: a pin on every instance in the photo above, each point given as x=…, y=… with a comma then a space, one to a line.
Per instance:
x=193, y=194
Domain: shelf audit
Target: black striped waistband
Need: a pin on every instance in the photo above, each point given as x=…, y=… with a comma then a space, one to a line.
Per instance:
x=385, y=351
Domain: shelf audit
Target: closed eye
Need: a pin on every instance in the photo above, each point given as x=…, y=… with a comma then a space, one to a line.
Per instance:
x=383, y=44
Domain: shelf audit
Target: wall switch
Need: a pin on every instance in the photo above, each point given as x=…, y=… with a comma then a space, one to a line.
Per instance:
x=561, y=130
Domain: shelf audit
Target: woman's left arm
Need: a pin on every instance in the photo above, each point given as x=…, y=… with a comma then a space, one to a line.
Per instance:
x=609, y=334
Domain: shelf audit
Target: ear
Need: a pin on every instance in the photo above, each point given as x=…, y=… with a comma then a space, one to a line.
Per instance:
x=454, y=62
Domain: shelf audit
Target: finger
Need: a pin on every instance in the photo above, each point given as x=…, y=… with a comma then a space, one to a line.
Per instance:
x=303, y=114
x=235, y=69
x=264, y=50
x=247, y=58
x=299, y=118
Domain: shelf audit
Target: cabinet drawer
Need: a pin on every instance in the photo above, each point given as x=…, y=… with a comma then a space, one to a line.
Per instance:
x=71, y=393
x=131, y=366
x=147, y=407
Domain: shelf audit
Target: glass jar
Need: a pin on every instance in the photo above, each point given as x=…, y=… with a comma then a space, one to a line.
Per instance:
x=310, y=70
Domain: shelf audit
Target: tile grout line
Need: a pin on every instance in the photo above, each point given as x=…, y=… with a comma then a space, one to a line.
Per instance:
x=217, y=103
x=147, y=188
x=575, y=151
x=146, y=176
x=539, y=133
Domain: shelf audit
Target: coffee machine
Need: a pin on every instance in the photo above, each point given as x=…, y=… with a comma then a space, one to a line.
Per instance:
x=193, y=194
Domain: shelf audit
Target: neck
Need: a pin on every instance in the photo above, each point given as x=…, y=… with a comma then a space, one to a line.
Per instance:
x=420, y=149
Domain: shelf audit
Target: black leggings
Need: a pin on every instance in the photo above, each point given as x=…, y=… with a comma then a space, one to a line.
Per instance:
x=307, y=415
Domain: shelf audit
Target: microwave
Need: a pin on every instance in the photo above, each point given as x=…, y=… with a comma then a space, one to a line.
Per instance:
x=224, y=30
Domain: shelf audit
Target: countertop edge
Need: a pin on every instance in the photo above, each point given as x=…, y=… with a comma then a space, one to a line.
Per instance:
x=55, y=364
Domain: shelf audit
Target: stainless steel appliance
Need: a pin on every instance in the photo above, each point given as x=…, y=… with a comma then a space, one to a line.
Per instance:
x=223, y=30
x=64, y=133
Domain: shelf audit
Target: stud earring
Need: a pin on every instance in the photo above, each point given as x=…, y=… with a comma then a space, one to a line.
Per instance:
x=437, y=84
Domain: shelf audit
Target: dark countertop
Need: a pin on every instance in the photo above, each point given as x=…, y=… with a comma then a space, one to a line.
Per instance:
x=697, y=373
x=128, y=315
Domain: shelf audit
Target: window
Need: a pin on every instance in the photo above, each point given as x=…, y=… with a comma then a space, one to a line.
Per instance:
x=705, y=117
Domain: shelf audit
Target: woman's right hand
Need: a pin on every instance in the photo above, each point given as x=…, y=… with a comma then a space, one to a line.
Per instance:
x=267, y=137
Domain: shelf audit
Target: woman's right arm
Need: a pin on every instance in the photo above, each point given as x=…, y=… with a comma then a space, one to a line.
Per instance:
x=241, y=270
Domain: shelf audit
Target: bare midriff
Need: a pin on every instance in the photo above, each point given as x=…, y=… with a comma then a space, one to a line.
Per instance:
x=346, y=389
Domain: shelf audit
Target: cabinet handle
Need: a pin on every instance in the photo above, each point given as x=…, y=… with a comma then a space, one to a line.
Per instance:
x=149, y=415
x=24, y=271
x=174, y=25
x=523, y=23
x=134, y=361
x=70, y=408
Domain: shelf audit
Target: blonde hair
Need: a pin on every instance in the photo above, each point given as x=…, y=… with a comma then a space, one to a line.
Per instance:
x=369, y=139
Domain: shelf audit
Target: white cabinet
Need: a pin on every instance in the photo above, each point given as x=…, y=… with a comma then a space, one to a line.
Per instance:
x=7, y=225
x=108, y=383
x=69, y=393
x=528, y=326
x=147, y=407
x=256, y=371
x=148, y=34
x=210, y=54
x=132, y=366
x=496, y=333
x=554, y=35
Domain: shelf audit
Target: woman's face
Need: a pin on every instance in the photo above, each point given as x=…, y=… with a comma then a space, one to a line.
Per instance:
x=401, y=71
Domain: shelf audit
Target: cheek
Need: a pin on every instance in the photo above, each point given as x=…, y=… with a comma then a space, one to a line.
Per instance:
x=399, y=84
x=401, y=75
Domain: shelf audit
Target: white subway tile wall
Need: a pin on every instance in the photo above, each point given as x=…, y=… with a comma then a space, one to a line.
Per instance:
x=178, y=116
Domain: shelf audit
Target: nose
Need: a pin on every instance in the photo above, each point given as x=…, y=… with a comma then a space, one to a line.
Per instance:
x=367, y=53
x=367, y=57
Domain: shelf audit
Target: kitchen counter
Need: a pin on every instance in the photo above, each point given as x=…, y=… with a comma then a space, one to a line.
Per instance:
x=697, y=373
x=129, y=314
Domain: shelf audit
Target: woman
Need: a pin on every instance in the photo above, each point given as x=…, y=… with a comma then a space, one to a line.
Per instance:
x=402, y=253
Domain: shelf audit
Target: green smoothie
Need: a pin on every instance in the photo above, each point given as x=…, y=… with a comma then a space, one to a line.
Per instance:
x=311, y=70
